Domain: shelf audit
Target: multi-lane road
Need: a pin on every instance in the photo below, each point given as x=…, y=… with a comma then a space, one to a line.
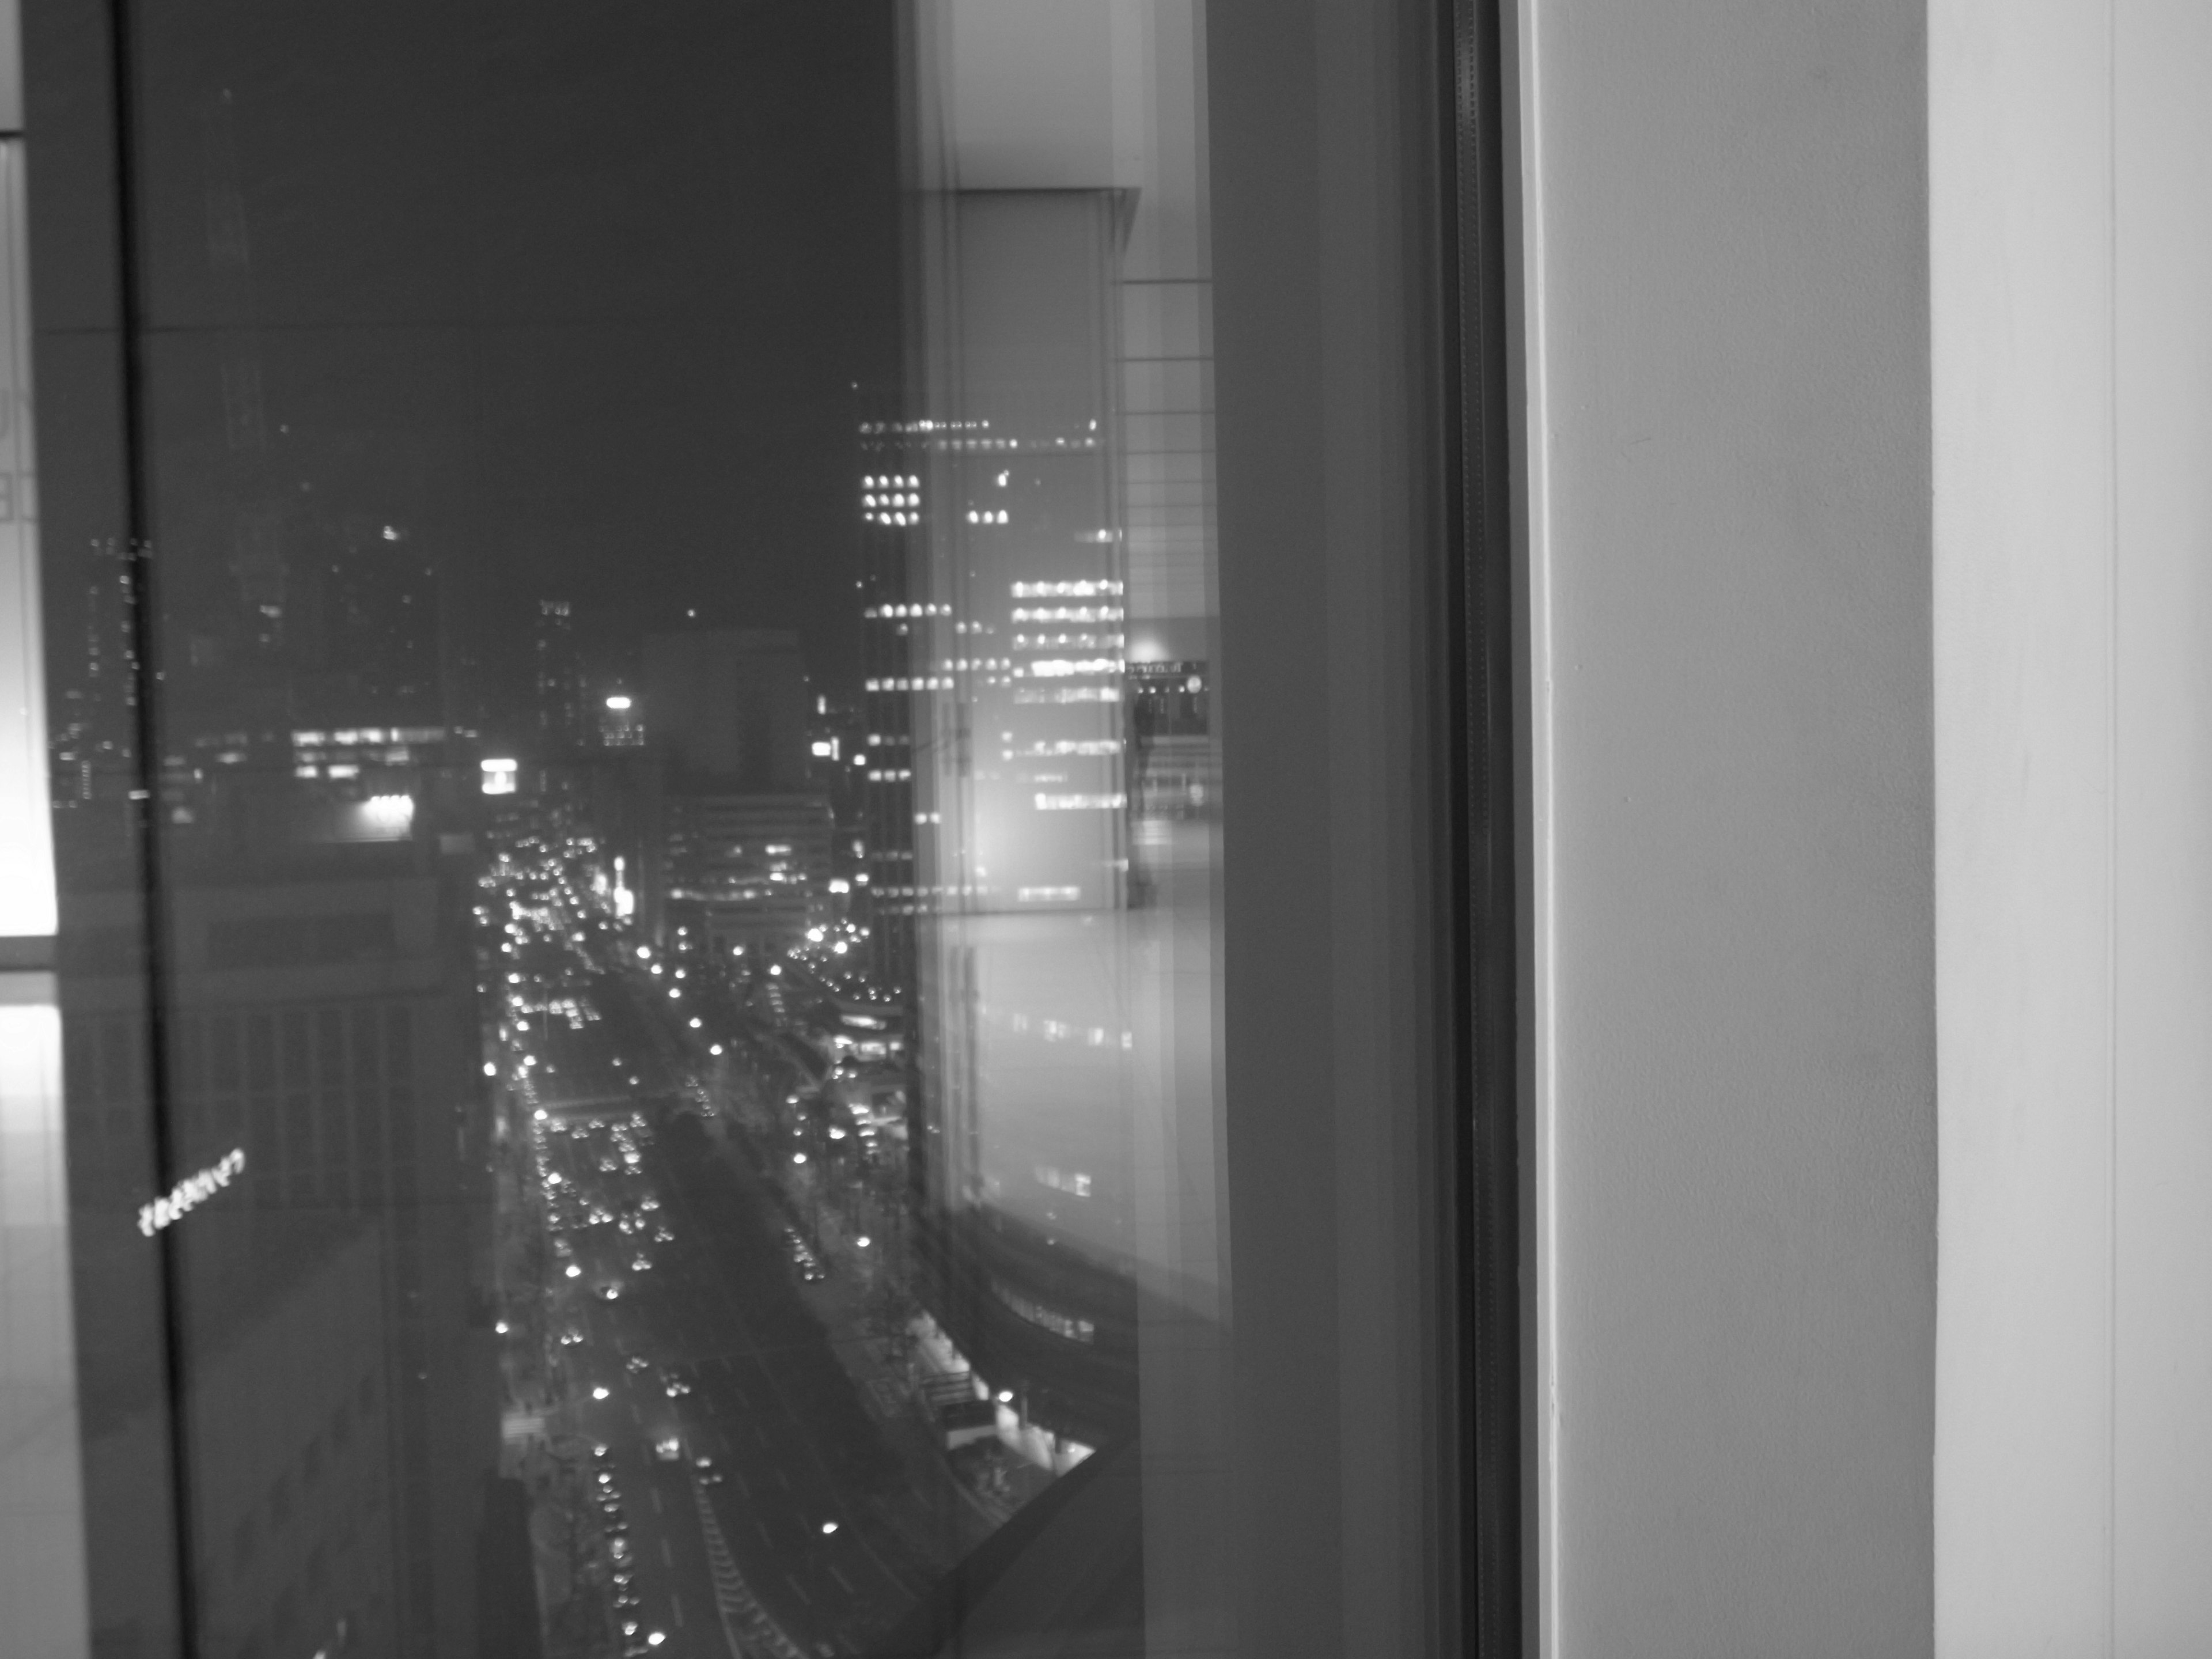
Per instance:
x=820, y=1515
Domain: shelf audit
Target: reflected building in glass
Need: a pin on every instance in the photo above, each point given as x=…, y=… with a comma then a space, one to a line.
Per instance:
x=337, y=1396
x=324, y=1388
x=1067, y=1144
x=890, y=547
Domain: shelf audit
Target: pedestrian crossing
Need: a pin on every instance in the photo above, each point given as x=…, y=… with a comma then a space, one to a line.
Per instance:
x=745, y=1621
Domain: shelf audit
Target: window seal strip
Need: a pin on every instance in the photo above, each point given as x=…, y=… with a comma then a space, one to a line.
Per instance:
x=1487, y=1326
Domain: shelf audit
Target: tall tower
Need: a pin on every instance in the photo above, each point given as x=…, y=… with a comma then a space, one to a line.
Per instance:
x=890, y=519
x=560, y=680
x=95, y=726
x=257, y=552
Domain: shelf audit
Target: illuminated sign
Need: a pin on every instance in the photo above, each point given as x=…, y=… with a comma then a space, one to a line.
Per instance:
x=498, y=776
x=190, y=1193
x=385, y=818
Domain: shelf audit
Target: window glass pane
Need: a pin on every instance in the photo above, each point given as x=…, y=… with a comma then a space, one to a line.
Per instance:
x=630, y=601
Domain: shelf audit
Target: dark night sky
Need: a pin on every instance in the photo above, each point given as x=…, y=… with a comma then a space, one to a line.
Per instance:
x=578, y=293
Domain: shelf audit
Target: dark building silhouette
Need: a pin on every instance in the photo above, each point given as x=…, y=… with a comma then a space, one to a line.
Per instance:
x=735, y=838
x=727, y=709
x=368, y=643
x=563, y=726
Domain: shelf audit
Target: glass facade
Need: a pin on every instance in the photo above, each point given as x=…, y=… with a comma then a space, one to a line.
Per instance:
x=629, y=749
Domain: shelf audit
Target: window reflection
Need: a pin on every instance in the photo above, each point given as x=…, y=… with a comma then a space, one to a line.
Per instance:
x=639, y=848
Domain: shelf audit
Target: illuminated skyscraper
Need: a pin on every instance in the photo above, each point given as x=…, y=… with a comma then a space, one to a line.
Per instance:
x=1065, y=469
x=95, y=737
x=891, y=517
x=621, y=722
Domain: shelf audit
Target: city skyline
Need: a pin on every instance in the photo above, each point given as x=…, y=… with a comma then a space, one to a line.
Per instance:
x=642, y=814
x=309, y=376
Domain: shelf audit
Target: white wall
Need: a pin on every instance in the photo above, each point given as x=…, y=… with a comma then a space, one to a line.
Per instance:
x=42, y=1565
x=1733, y=1049
x=2071, y=203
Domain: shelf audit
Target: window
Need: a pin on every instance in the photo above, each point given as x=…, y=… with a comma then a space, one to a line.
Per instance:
x=539, y=509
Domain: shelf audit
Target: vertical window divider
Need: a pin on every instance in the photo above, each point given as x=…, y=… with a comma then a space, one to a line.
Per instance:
x=1488, y=1463
x=137, y=506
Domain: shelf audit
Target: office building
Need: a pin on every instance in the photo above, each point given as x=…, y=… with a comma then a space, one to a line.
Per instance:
x=892, y=514
x=1175, y=770
x=340, y=1396
x=751, y=868
x=729, y=709
x=558, y=680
